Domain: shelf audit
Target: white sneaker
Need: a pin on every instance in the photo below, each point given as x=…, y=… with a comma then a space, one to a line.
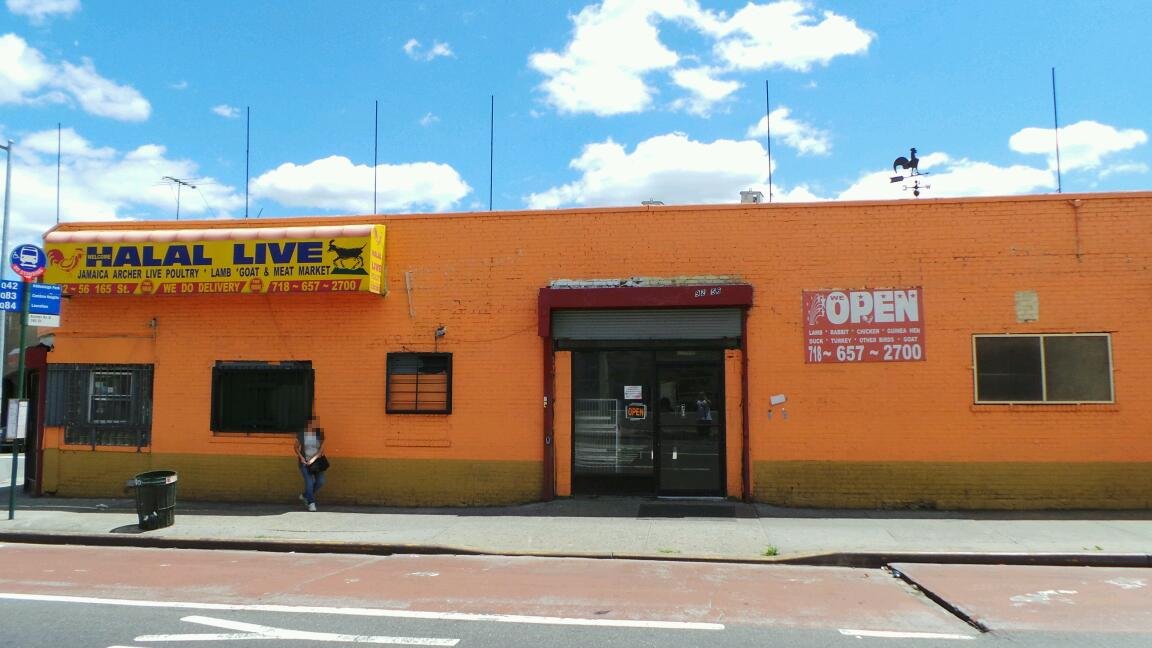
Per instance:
x=312, y=507
x=301, y=496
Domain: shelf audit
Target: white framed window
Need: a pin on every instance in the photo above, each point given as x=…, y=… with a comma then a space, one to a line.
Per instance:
x=1046, y=368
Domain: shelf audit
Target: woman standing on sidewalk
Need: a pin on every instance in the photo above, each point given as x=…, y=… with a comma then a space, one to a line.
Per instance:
x=312, y=462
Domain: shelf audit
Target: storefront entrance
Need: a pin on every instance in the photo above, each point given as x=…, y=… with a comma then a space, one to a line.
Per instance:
x=648, y=421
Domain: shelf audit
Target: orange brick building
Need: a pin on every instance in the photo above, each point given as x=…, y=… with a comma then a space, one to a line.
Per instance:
x=950, y=353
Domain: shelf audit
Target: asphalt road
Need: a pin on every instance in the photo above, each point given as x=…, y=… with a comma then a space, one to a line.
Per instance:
x=116, y=597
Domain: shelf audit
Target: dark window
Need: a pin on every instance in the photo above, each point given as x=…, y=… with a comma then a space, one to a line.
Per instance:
x=419, y=383
x=1043, y=368
x=101, y=405
x=261, y=396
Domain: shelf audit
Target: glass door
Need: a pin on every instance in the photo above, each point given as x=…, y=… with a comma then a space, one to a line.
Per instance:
x=648, y=421
x=613, y=445
x=690, y=423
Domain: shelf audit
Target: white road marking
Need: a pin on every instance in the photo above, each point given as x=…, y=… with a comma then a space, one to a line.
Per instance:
x=1044, y=596
x=1128, y=583
x=370, y=612
x=255, y=631
x=885, y=634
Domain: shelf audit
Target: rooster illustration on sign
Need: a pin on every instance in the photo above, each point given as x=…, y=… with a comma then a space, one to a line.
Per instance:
x=815, y=309
x=56, y=257
x=347, y=260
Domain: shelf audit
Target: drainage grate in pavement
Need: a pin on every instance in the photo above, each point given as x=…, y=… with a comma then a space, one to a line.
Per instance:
x=663, y=510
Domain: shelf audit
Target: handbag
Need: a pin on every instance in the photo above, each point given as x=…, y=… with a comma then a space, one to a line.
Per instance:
x=320, y=465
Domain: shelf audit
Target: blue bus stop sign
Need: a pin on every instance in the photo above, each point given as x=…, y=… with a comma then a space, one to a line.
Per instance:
x=29, y=261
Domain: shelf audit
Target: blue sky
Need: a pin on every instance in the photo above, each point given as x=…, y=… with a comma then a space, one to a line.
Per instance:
x=596, y=103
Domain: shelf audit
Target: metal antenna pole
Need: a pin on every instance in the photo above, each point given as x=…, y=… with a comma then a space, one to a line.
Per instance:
x=1056, y=132
x=57, y=173
x=179, y=183
x=247, y=148
x=375, y=151
x=491, y=146
x=768, y=128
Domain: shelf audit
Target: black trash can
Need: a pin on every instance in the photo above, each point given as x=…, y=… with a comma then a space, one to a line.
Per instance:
x=155, y=498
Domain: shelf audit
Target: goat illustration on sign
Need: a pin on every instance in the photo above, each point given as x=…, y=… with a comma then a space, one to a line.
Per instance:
x=347, y=260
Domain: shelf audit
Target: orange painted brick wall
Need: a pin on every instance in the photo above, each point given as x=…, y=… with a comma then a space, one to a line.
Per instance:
x=478, y=275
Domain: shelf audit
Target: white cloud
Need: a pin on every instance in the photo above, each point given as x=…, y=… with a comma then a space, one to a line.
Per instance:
x=38, y=10
x=413, y=50
x=943, y=177
x=1133, y=167
x=671, y=168
x=706, y=89
x=226, y=111
x=1083, y=145
x=610, y=64
x=602, y=69
x=335, y=183
x=428, y=119
x=805, y=138
x=26, y=77
x=784, y=34
x=179, y=85
x=801, y=193
x=101, y=183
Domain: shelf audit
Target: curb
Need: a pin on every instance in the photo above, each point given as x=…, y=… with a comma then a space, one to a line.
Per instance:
x=859, y=560
x=875, y=560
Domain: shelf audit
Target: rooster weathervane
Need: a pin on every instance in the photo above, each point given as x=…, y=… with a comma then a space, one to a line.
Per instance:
x=913, y=164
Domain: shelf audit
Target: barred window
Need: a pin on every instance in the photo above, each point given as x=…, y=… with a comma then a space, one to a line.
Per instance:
x=110, y=394
x=261, y=396
x=419, y=383
x=1051, y=368
x=101, y=405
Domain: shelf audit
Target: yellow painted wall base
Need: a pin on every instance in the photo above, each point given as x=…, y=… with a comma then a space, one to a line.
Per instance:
x=392, y=482
x=954, y=486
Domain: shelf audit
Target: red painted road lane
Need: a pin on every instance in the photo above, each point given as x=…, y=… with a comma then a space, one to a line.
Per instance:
x=751, y=595
x=1056, y=599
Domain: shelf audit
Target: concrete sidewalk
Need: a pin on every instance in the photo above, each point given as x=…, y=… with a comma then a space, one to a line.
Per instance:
x=608, y=528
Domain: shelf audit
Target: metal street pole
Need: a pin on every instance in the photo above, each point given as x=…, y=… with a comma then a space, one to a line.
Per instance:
x=7, y=204
x=4, y=317
x=16, y=443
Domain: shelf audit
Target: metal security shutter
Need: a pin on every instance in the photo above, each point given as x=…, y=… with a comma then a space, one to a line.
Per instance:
x=647, y=324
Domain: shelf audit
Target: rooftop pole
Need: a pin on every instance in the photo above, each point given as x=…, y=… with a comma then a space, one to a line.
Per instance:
x=1056, y=133
x=768, y=129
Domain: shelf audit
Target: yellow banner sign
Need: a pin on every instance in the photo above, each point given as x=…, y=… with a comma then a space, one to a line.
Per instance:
x=290, y=265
